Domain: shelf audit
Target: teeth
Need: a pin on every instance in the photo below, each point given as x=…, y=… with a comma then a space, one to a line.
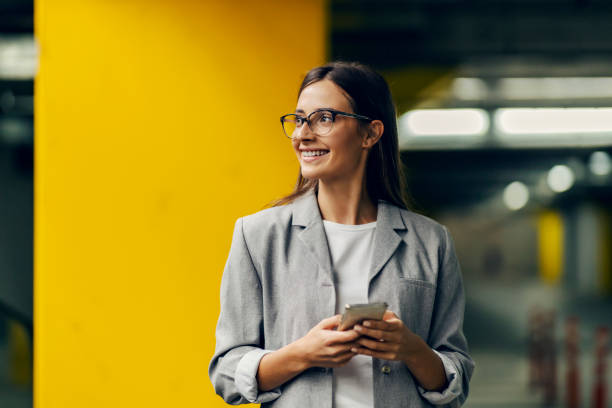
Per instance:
x=314, y=153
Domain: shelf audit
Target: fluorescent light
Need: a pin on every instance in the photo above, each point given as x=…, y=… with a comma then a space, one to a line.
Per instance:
x=600, y=163
x=445, y=122
x=554, y=88
x=553, y=121
x=469, y=89
x=532, y=88
x=516, y=195
x=560, y=178
x=18, y=57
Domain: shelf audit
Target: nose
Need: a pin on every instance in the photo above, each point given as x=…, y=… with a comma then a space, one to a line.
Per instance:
x=303, y=133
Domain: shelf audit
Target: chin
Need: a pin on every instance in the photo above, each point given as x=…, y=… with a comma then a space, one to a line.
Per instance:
x=311, y=174
x=317, y=171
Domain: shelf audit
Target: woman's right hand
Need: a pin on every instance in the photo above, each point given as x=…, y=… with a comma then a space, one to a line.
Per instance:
x=323, y=346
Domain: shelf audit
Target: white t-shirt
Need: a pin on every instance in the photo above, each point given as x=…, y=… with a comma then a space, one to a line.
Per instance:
x=351, y=248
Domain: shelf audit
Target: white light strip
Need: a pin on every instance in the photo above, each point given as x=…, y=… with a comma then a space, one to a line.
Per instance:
x=470, y=89
x=542, y=88
x=554, y=88
x=444, y=122
x=552, y=121
x=18, y=57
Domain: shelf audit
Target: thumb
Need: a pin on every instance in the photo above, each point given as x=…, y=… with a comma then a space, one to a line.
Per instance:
x=389, y=315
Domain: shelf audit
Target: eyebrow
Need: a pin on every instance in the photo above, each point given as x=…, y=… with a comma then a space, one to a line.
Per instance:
x=318, y=109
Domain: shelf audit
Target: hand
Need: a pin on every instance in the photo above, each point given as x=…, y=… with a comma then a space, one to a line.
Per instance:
x=324, y=347
x=387, y=339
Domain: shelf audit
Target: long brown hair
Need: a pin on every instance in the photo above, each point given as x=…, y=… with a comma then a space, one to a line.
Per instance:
x=369, y=96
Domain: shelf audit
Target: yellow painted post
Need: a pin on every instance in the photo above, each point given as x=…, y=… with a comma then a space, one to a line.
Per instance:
x=156, y=127
x=550, y=241
x=20, y=354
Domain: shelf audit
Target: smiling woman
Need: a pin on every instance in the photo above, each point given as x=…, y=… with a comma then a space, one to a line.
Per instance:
x=342, y=151
x=362, y=103
x=344, y=236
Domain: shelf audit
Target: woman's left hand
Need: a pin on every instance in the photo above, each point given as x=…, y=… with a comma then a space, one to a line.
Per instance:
x=387, y=339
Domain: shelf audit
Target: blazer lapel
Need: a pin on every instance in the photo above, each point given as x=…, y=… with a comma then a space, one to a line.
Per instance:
x=386, y=238
x=306, y=214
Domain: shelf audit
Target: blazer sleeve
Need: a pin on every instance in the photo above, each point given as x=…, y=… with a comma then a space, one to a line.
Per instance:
x=239, y=333
x=446, y=333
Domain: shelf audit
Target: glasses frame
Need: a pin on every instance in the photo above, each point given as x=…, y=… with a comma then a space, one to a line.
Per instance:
x=333, y=112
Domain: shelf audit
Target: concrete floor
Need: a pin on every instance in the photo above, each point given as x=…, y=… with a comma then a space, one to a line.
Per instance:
x=496, y=324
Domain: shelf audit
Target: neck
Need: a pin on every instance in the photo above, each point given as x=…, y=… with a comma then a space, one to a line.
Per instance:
x=346, y=203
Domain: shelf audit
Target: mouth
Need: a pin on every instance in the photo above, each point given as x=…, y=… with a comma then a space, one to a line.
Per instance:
x=309, y=156
x=314, y=153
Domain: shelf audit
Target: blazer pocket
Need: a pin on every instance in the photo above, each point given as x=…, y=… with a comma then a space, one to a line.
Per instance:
x=416, y=298
x=417, y=282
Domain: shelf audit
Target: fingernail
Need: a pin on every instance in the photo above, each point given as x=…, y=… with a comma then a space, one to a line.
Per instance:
x=354, y=350
x=366, y=324
x=357, y=327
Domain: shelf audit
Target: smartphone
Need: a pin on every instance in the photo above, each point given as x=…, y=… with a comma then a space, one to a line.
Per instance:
x=358, y=312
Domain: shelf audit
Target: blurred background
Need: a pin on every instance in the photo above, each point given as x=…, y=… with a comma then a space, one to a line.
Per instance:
x=505, y=121
x=17, y=69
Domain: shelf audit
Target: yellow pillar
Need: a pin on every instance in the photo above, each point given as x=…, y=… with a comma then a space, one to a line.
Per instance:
x=550, y=241
x=156, y=127
x=20, y=353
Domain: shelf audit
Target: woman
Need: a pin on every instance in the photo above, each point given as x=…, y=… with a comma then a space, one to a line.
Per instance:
x=343, y=236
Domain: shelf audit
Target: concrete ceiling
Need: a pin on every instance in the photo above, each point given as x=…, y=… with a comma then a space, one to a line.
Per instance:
x=392, y=33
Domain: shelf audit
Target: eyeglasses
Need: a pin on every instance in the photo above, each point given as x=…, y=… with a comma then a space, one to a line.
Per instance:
x=320, y=121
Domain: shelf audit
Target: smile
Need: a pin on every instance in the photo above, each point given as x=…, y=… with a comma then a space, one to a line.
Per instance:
x=312, y=153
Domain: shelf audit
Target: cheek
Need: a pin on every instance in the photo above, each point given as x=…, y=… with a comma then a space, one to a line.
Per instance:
x=347, y=151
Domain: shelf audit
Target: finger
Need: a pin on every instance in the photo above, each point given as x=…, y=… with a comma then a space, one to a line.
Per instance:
x=374, y=333
x=330, y=322
x=339, y=361
x=376, y=354
x=338, y=350
x=389, y=315
x=377, y=324
x=336, y=337
x=377, y=345
x=343, y=358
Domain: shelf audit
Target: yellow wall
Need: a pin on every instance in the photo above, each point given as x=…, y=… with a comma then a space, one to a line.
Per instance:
x=156, y=127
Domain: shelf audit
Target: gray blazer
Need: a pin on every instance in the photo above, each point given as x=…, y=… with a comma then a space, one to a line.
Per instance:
x=278, y=283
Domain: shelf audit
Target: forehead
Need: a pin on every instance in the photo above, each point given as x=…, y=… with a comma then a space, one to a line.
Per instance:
x=323, y=94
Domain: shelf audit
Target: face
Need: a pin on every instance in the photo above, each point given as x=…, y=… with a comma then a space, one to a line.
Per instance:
x=340, y=153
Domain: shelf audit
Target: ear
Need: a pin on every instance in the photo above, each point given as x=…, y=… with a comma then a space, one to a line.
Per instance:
x=374, y=132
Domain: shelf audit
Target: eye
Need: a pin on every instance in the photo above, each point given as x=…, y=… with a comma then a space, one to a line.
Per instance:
x=326, y=117
x=299, y=121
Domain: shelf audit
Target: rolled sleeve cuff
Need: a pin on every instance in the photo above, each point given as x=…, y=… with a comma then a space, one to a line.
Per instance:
x=246, y=378
x=452, y=390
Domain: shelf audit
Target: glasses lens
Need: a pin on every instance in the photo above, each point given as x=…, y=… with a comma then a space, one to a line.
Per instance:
x=322, y=122
x=289, y=125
